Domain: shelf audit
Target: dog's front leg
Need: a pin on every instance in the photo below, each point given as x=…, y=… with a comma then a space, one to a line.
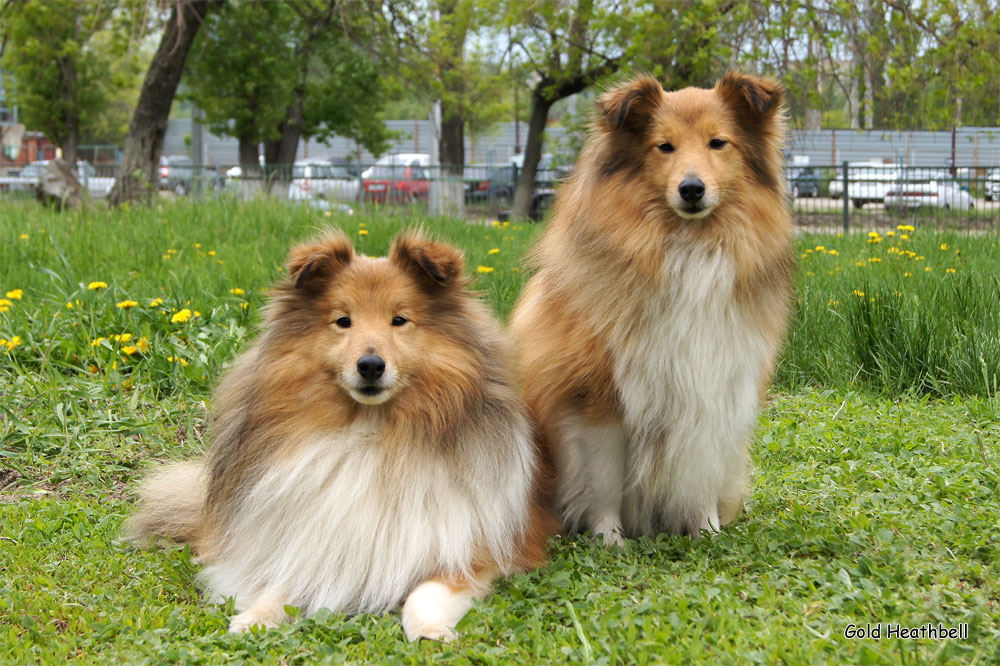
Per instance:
x=267, y=610
x=592, y=483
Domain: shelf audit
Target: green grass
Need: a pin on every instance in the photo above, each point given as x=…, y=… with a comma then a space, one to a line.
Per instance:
x=874, y=497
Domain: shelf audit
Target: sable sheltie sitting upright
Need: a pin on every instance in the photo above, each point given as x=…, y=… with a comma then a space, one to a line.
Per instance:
x=650, y=328
x=371, y=447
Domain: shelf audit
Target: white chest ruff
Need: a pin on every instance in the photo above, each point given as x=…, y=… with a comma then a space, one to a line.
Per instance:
x=348, y=526
x=687, y=368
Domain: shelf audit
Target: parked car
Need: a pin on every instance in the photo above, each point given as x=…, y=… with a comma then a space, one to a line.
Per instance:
x=867, y=182
x=930, y=194
x=319, y=178
x=29, y=177
x=488, y=183
x=804, y=182
x=991, y=185
x=399, y=177
x=176, y=174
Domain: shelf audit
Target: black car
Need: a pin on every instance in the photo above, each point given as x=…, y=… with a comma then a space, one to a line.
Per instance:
x=804, y=182
x=489, y=184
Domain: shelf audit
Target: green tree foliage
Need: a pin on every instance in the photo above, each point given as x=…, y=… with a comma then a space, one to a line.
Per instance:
x=71, y=59
x=448, y=50
x=274, y=72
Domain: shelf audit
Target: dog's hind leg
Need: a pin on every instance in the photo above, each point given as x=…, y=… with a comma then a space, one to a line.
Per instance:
x=435, y=606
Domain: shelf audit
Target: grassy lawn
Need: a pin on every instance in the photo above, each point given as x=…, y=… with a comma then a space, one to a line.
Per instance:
x=874, y=497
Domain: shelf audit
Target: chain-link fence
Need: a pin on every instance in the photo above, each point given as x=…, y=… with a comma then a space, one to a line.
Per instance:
x=832, y=197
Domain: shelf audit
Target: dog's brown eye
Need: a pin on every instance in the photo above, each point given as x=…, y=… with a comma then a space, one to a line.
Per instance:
x=717, y=143
x=666, y=147
x=399, y=321
x=344, y=322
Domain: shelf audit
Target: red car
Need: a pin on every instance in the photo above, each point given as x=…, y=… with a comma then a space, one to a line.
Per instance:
x=397, y=178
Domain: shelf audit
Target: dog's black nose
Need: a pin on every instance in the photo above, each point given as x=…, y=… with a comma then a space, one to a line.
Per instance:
x=371, y=367
x=691, y=189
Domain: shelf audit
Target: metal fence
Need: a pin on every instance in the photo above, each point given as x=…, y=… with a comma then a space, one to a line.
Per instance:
x=845, y=197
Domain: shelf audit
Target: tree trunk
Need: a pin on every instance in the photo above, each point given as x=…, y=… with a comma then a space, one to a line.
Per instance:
x=251, y=176
x=71, y=119
x=532, y=155
x=136, y=178
x=280, y=153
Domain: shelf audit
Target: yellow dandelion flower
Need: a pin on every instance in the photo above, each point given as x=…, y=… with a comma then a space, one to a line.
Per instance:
x=171, y=359
x=949, y=270
x=236, y=291
x=211, y=253
x=859, y=294
x=171, y=251
x=362, y=224
x=944, y=246
x=5, y=302
x=890, y=233
x=94, y=286
x=875, y=260
x=362, y=232
x=919, y=258
x=93, y=369
x=875, y=239
x=833, y=253
x=907, y=274
x=905, y=236
x=23, y=236
x=821, y=248
x=15, y=294
x=129, y=350
x=126, y=304
x=244, y=305
x=14, y=342
x=484, y=269
x=219, y=261
x=166, y=256
x=505, y=225
x=97, y=341
x=496, y=223
x=494, y=250
x=155, y=302
x=873, y=234
x=142, y=345
x=927, y=269
x=181, y=317
x=809, y=273
x=124, y=337
x=197, y=244
x=69, y=305
x=808, y=251
x=860, y=264
x=4, y=308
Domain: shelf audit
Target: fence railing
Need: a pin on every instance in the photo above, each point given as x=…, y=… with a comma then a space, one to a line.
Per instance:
x=843, y=197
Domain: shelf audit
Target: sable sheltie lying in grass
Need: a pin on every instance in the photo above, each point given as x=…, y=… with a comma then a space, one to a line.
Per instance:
x=649, y=332
x=370, y=448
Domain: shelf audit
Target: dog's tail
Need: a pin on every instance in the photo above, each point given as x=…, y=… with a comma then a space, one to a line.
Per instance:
x=171, y=505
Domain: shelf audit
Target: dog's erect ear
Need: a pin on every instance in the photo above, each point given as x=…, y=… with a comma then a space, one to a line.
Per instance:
x=630, y=105
x=313, y=263
x=436, y=264
x=754, y=100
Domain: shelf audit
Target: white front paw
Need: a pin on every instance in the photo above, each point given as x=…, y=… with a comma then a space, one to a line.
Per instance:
x=611, y=529
x=239, y=624
x=432, y=610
